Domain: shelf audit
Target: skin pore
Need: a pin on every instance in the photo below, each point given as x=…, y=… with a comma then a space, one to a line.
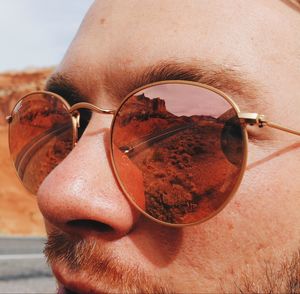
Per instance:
x=97, y=241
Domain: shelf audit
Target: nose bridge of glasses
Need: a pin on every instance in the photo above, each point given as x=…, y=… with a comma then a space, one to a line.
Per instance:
x=85, y=105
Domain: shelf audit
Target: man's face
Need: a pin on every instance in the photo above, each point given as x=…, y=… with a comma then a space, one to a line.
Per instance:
x=97, y=241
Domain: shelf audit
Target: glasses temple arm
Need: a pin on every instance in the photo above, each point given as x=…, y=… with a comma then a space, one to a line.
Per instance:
x=281, y=128
x=261, y=121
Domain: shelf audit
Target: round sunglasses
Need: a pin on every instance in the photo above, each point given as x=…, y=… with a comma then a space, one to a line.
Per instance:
x=178, y=148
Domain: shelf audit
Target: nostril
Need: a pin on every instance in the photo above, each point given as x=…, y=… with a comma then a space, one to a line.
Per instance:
x=90, y=225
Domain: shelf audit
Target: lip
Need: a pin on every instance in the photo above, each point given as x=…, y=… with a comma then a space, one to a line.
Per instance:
x=77, y=284
x=63, y=290
x=66, y=286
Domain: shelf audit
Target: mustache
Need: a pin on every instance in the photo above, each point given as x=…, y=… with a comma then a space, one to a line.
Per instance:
x=79, y=254
x=71, y=250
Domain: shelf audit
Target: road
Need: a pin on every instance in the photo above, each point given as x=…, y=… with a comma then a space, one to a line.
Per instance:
x=148, y=140
x=23, y=268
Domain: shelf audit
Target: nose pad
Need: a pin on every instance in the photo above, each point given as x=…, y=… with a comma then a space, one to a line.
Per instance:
x=82, y=190
x=83, y=120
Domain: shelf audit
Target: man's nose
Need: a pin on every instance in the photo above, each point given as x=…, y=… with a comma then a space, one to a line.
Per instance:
x=81, y=194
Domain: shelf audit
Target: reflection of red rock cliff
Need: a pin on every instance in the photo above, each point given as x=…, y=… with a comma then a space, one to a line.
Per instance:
x=155, y=104
x=227, y=115
x=142, y=108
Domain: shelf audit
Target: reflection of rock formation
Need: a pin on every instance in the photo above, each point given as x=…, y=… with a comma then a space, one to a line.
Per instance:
x=155, y=104
x=142, y=108
x=227, y=115
x=186, y=174
x=13, y=85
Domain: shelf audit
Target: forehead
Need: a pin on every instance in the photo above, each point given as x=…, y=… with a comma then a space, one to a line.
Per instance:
x=147, y=30
x=243, y=35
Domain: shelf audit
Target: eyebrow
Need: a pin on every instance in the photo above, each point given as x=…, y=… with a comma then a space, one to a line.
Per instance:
x=120, y=81
x=62, y=85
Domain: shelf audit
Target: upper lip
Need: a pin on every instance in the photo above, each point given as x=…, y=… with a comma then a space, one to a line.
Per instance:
x=65, y=290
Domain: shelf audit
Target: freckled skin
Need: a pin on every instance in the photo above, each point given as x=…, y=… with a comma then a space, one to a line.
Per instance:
x=262, y=221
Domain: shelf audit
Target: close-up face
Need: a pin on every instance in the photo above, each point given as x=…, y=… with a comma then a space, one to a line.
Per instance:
x=120, y=209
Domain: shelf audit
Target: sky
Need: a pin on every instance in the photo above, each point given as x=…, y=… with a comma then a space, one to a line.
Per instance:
x=36, y=33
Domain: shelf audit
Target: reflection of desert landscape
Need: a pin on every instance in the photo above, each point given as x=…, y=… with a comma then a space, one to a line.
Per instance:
x=177, y=157
x=19, y=214
x=42, y=135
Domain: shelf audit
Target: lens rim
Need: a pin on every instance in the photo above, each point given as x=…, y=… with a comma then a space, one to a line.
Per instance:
x=245, y=151
x=13, y=111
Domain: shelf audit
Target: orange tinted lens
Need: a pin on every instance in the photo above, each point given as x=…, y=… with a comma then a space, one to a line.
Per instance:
x=40, y=137
x=178, y=151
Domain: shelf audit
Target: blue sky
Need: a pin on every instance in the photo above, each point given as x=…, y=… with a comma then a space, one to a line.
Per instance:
x=36, y=33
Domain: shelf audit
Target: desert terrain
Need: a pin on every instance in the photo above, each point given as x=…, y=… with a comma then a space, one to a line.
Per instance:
x=19, y=214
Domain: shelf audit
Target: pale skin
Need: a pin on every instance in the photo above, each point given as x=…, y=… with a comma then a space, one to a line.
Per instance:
x=261, y=41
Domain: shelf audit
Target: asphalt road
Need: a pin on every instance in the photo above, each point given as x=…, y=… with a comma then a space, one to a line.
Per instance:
x=23, y=268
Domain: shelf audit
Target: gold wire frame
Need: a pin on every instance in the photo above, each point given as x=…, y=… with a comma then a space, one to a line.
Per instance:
x=245, y=119
x=245, y=150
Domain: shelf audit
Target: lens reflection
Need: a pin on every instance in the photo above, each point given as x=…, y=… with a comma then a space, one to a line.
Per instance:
x=186, y=143
x=40, y=137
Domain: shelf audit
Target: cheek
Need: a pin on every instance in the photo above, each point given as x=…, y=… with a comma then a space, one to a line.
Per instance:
x=262, y=218
x=266, y=207
x=272, y=184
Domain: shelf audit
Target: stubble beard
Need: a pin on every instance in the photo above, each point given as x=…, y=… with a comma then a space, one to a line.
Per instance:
x=99, y=264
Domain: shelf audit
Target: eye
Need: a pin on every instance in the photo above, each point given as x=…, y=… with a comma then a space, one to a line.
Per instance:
x=85, y=117
x=232, y=140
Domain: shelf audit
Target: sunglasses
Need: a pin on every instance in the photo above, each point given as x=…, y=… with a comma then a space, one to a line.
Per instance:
x=178, y=148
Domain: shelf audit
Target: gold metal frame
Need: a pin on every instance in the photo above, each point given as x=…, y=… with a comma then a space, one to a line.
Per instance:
x=245, y=119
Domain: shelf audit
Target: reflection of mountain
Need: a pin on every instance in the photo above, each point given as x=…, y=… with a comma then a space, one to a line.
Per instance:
x=186, y=174
x=227, y=115
x=156, y=104
x=142, y=108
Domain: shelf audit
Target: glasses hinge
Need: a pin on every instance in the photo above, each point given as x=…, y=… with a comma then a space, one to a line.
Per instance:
x=262, y=120
x=253, y=119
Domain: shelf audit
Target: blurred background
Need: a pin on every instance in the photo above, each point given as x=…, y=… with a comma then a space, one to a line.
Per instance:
x=35, y=35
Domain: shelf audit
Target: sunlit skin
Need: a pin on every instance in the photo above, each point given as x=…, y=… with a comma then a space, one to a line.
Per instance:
x=260, y=40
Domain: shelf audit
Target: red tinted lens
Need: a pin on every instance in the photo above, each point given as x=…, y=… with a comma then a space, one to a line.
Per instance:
x=40, y=137
x=178, y=151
